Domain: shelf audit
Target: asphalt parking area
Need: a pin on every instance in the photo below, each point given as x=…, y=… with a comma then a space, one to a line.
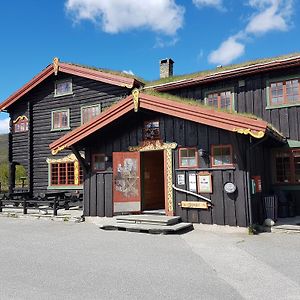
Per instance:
x=64, y=260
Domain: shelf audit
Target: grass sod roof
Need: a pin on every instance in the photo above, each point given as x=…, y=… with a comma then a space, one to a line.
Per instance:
x=219, y=70
x=113, y=72
x=196, y=103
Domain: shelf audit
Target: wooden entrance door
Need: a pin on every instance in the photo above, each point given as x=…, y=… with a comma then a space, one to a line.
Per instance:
x=126, y=182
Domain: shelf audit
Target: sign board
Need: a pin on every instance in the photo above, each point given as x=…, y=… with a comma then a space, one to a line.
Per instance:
x=181, y=179
x=194, y=204
x=257, y=184
x=192, y=182
x=204, y=183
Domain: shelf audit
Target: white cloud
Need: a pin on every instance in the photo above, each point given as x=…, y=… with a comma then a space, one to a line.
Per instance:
x=4, y=125
x=272, y=15
x=113, y=16
x=213, y=3
x=129, y=72
x=163, y=42
x=228, y=51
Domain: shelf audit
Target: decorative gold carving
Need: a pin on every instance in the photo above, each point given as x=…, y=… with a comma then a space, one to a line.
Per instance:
x=168, y=147
x=255, y=134
x=58, y=149
x=169, y=179
x=194, y=204
x=135, y=94
x=20, y=118
x=69, y=158
x=55, y=65
x=153, y=145
x=76, y=172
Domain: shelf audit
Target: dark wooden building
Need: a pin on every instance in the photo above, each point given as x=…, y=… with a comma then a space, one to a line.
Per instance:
x=60, y=98
x=208, y=147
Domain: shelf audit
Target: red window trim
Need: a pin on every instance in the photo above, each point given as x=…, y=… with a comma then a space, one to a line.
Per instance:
x=219, y=98
x=292, y=167
x=93, y=161
x=285, y=100
x=213, y=147
x=80, y=182
x=196, y=158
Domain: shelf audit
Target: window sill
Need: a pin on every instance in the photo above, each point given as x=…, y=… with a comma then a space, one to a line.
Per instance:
x=65, y=187
x=232, y=168
x=282, y=106
x=66, y=94
x=60, y=129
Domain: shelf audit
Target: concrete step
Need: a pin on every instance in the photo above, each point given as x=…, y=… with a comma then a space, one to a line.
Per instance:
x=148, y=228
x=286, y=228
x=149, y=219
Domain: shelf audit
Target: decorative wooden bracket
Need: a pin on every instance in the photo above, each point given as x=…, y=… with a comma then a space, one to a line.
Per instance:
x=55, y=65
x=255, y=134
x=81, y=160
x=135, y=94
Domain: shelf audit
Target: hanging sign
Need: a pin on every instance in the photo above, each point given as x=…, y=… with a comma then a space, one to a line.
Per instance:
x=205, y=183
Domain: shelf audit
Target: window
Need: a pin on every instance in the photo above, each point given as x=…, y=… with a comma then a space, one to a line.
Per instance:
x=287, y=166
x=60, y=120
x=151, y=130
x=221, y=156
x=99, y=162
x=21, y=124
x=285, y=92
x=221, y=100
x=188, y=158
x=89, y=112
x=63, y=87
x=66, y=174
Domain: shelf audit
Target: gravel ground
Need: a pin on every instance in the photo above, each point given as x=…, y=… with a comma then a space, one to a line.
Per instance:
x=43, y=259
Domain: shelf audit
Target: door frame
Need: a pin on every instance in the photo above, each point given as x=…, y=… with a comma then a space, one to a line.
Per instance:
x=158, y=145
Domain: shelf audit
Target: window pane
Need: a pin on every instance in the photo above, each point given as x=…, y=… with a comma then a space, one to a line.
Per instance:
x=99, y=162
x=62, y=174
x=151, y=130
x=88, y=113
x=64, y=87
x=283, y=168
x=222, y=156
x=54, y=173
x=188, y=157
x=60, y=119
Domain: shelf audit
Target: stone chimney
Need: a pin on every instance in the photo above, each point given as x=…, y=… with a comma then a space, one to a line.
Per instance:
x=166, y=67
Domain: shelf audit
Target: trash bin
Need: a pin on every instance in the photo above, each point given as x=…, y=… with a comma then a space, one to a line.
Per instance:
x=270, y=207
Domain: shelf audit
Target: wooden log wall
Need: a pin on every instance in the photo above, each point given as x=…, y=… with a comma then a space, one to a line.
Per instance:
x=252, y=98
x=42, y=102
x=231, y=210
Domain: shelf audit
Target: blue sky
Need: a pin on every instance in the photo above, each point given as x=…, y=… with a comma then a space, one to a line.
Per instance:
x=133, y=35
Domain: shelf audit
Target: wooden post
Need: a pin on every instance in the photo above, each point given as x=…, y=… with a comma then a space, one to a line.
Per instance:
x=24, y=207
x=0, y=205
x=55, y=207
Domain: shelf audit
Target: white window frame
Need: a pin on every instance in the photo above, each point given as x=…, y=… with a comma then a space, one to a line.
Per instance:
x=52, y=119
x=62, y=81
x=88, y=106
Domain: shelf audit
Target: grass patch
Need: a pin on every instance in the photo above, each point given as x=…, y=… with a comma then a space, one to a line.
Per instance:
x=219, y=70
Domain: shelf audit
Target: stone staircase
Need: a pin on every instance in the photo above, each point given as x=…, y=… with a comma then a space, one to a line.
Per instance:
x=154, y=224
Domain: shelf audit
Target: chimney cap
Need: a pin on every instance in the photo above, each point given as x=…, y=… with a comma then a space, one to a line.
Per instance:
x=167, y=60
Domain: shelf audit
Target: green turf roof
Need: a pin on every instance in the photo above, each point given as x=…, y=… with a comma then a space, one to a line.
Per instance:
x=113, y=72
x=219, y=70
